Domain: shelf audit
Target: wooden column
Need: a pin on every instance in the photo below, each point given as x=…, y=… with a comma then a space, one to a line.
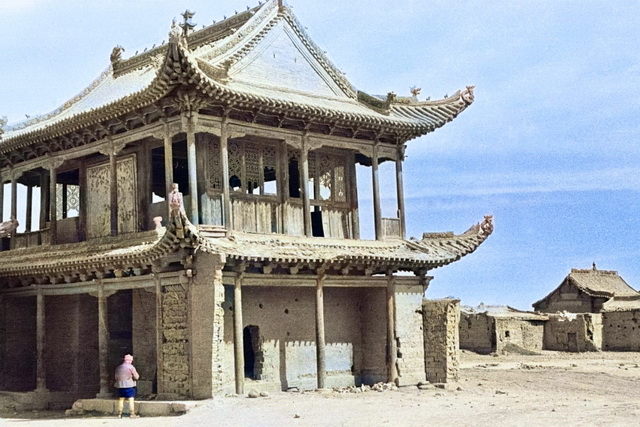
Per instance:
x=304, y=159
x=224, y=159
x=1, y=199
x=193, y=168
x=41, y=378
x=44, y=200
x=320, y=341
x=392, y=349
x=168, y=165
x=14, y=197
x=353, y=187
x=53, y=208
x=103, y=342
x=159, y=335
x=377, y=216
x=27, y=224
x=238, y=344
x=400, y=190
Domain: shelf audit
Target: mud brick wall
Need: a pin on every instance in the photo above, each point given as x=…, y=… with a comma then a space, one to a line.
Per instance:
x=206, y=294
x=522, y=333
x=373, y=304
x=409, y=334
x=143, y=306
x=575, y=332
x=285, y=321
x=441, y=339
x=175, y=341
x=621, y=330
x=477, y=333
x=18, y=373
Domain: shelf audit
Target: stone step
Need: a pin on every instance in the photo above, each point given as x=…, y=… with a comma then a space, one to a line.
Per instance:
x=142, y=408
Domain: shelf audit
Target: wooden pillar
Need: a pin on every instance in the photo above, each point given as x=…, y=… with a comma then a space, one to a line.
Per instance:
x=44, y=200
x=27, y=224
x=377, y=216
x=14, y=197
x=353, y=187
x=103, y=342
x=193, y=168
x=392, y=349
x=41, y=378
x=304, y=159
x=400, y=191
x=227, y=221
x=1, y=199
x=53, y=208
x=238, y=344
x=113, y=191
x=320, y=341
x=168, y=165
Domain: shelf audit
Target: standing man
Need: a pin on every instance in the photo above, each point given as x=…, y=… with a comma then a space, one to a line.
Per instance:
x=126, y=376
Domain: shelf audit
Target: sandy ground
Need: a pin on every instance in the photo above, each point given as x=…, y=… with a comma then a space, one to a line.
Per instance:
x=552, y=389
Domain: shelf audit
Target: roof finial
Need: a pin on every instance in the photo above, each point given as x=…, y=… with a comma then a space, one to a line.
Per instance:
x=3, y=123
x=187, y=25
x=594, y=266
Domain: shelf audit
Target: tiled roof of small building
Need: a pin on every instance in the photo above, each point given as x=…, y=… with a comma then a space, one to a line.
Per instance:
x=213, y=62
x=503, y=311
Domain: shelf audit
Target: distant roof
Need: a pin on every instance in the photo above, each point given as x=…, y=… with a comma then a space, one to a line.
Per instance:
x=597, y=283
x=259, y=59
x=503, y=311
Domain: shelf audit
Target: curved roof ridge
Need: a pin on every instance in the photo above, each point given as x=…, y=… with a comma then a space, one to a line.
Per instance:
x=68, y=104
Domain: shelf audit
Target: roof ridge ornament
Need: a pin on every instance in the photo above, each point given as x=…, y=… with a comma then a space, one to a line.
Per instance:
x=116, y=55
x=3, y=123
x=467, y=95
x=187, y=25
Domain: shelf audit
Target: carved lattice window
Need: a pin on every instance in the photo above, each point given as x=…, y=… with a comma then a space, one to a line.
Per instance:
x=67, y=201
x=252, y=167
x=327, y=176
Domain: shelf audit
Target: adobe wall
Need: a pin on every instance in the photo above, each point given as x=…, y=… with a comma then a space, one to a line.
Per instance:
x=477, y=333
x=285, y=317
x=522, y=333
x=409, y=334
x=373, y=303
x=441, y=339
x=575, y=332
x=71, y=344
x=621, y=331
x=143, y=326
x=19, y=368
x=175, y=341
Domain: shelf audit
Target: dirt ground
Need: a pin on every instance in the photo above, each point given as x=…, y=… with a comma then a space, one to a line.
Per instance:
x=552, y=389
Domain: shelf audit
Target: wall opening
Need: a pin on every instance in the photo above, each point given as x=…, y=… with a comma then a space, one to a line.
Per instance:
x=252, y=353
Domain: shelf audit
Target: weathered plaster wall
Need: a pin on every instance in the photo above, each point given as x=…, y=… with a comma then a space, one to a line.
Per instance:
x=143, y=306
x=19, y=369
x=409, y=334
x=441, y=340
x=285, y=317
x=621, y=331
x=71, y=344
x=523, y=333
x=373, y=303
x=477, y=333
x=576, y=333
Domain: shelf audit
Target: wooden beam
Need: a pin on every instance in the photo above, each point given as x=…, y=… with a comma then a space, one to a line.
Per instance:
x=227, y=221
x=377, y=215
x=41, y=377
x=321, y=370
x=168, y=164
x=304, y=159
x=392, y=349
x=400, y=191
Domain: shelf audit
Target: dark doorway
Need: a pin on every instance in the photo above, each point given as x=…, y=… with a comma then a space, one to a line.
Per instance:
x=294, y=178
x=317, y=229
x=251, y=343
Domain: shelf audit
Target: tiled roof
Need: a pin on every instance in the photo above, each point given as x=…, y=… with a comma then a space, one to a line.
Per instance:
x=600, y=283
x=503, y=311
x=141, y=249
x=143, y=79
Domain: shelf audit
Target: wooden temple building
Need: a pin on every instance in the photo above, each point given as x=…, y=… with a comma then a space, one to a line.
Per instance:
x=255, y=271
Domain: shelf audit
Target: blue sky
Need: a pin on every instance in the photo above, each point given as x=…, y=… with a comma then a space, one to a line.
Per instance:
x=550, y=147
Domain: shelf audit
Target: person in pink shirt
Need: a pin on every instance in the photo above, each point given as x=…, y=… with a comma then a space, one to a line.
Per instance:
x=126, y=376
